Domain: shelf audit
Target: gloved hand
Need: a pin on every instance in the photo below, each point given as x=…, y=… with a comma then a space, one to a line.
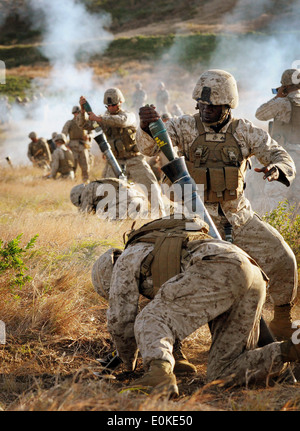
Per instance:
x=271, y=172
x=147, y=114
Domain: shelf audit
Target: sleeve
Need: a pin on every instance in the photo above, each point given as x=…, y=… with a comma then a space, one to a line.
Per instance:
x=123, y=119
x=66, y=128
x=276, y=108
x=256, y=141
x=123, y=301
x=83, y=122
x=29, y=152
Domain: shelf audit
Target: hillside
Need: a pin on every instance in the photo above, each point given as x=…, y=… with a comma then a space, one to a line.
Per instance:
x=136, y=17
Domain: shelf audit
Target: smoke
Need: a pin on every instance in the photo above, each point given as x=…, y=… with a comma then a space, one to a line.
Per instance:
x=70, y=36
x=257, y=61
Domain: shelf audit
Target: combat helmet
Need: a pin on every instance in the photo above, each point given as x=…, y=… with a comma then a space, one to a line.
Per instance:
x=216, y=87
x=291, y=77
x=32, y=135
x=112, y=96
x=75, y=109
x=102, y=271
x=75, y=194
x=60, y=137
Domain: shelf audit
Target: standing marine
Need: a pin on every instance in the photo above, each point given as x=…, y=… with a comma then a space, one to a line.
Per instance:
x=78, y=143
x=217, y=147
x=284, y=111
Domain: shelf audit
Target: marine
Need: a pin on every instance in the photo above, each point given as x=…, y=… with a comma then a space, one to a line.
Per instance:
x=284, y=112
x=119, y=127
x=78, y=143
x=207, y=280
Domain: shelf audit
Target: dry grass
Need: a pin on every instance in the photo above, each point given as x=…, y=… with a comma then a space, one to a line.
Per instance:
x=56, y=324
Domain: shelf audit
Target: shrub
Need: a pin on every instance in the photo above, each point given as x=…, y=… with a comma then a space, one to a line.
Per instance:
x=11, y=260
x=284, y=219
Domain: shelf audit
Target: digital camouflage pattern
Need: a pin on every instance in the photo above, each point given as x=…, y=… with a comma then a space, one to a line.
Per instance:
x=253, y=141
x=59, y=165
x=136, y=168
x=124, y=200
x=279, y=110
x=217, y=281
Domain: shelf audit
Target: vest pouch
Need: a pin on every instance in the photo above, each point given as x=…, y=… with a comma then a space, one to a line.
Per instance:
x=231, y=182
x=199, y=175
x=120, y=149
x=200, y=155
x=230, y=155
x=216, y=185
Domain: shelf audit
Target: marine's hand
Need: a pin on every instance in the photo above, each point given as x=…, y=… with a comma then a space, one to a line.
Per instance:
x=82, y=101
x=147, y=115
x=94, y=117
x=281, y=92
x=271, y=172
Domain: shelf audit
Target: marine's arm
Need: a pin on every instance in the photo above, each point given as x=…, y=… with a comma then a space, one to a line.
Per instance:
x=278, y=107
x=257, y=142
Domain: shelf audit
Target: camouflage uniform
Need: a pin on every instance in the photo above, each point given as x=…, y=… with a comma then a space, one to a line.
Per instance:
x=249, y=232
x=280, y=110
x=77, y=144
x=62, y=160
x=133, y=163
x=39, y=152
x=124, y=202
x=217, y=283
x=162, y=99
x=139, y=97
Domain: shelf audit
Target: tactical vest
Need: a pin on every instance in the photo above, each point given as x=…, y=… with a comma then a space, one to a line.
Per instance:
x=122, y=141
x=75, y=132
x=216, y=161
x=170, y=240
x=288, y=133
x=67, y=163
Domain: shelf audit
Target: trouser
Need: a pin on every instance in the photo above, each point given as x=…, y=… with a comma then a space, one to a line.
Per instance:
x=268, y=248
x=138, y=170
x=81, y=158
x=230, y=294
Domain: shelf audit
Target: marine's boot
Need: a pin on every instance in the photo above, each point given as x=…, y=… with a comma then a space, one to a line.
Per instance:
x=161, y=377
x=290, y=352
x=182, y=365
x=281, y=325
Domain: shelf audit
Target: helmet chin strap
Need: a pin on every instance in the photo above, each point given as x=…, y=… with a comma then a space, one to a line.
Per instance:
x=224, y=115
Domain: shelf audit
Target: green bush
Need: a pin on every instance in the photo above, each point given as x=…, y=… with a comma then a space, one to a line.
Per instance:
x=11, y=260
x=284, y=219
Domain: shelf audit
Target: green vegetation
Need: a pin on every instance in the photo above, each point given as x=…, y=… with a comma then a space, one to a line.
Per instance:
x=11, y=261
x=16, y=86
x=283, y=219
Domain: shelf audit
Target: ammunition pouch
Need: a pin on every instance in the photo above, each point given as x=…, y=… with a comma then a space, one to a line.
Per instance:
x=122, y=142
